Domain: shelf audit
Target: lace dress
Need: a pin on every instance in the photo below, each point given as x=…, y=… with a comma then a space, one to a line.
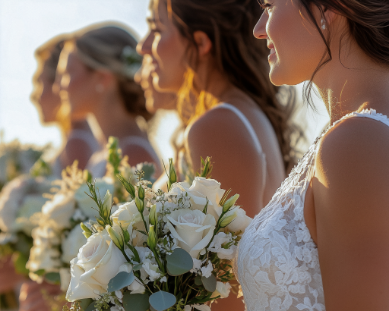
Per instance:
x=277, y=262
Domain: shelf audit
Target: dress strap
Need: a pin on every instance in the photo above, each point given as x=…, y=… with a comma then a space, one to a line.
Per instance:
x=246, y=123
x=142, y=142
x=85, y=136
x=367, y=113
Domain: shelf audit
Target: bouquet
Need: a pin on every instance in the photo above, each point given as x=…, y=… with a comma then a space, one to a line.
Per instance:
x=16, y=160
x=159, y=251
x=20, y=201
x=58, y=236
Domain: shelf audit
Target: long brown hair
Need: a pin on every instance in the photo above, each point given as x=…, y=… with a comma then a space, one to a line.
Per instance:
x=368, y=23
x=238, y=55
x=113, y=47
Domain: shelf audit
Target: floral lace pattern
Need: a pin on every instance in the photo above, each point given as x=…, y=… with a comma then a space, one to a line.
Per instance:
x=277, y=262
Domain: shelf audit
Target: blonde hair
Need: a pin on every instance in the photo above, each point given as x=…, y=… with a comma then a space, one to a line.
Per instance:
x=47, y=56
x=112, y=47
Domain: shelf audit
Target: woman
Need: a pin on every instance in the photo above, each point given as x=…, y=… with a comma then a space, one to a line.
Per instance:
x=204, y=50
x=96, y=75
x=322, y=243
x=237, y=119
x=78, y=141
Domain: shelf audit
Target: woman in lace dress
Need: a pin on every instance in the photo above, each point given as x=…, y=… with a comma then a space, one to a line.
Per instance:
x=96, y=77
x=204, y=50
x=78, y=141
x=322, y=243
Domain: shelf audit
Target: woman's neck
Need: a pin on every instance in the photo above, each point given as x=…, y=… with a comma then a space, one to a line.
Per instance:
x=353, y=82
x=114, y=120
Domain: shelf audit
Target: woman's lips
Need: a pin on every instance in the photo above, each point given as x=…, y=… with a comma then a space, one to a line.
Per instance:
x=273, y=55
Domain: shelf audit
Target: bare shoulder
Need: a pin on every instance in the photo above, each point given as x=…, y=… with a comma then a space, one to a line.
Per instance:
x=359, y=143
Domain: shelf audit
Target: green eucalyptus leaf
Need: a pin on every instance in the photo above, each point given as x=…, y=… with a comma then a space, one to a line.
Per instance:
x=91, y=307
x=179, y=262
x=53, y=277
x=149, y=170
x=136, y=302
x=121, y=280
x=85, y=303
x=209, y=283
x=161, y=300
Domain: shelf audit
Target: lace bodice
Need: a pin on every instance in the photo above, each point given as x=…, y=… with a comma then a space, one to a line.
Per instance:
x=277, y=262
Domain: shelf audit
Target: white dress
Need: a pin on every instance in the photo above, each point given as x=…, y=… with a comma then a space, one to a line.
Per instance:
x=278, y=263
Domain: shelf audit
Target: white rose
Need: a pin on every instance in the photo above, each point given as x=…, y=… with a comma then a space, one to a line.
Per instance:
x=241, y=221
x=64, y=274
x=128, y=214
x=98, y=261
x=204, y=189
x=44, y=254
x=217, y=244
x=192, y=229
x=72, y=244
x=10, y=199
x=222, y=290
x=152, y=270
x=59, y=210
x=85, y=203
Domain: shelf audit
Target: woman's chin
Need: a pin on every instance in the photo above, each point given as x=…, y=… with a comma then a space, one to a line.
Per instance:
x=279, y=77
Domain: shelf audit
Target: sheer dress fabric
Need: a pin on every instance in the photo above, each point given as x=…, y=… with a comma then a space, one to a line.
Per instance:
x=277, y=261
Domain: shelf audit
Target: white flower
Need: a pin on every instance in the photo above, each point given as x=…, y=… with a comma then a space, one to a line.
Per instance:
x=217, y=244
x=164, y=279
x=98, y=261
x=64, y=274
x=193, y=229
x=10, y=199
x=72, y=243
x=222, y=290
x=136, y=287
x=241, y=221
x=207, y=270
x=128, y=214
x=152, y=270
x=85, y=203
x=196, y=265
x=204, y=189
x=59, y=210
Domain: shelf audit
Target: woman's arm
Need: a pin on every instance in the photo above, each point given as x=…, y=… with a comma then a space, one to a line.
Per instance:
x=351, y=198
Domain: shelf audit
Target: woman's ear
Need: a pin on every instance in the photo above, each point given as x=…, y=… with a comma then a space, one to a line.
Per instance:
x=105, y=78
x=204, y=44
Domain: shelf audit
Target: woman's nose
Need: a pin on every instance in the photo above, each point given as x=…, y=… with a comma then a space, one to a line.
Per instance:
x=260, y=28
x=144, y=46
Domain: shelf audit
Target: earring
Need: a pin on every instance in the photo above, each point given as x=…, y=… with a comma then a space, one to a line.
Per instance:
x=323, y=24
x=99, y=88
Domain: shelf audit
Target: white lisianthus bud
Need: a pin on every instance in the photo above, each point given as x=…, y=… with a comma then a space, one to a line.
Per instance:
x=85, y=230
x=139, y=205
x=115, y=237
x=107, y=204
x=230, y=203
x=152, y=239
x=227, y=219
x=153, y=216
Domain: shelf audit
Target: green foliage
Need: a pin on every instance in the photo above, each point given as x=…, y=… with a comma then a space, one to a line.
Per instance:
x=179, y=262
x=161, y=300
x=53, y=277
x=136, y=302
x=209, y=283
x=121, y=280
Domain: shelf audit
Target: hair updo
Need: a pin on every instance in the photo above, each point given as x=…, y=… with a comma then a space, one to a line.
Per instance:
x=113, y=48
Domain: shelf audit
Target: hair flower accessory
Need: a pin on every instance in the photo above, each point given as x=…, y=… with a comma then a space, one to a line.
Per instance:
x=132, y=61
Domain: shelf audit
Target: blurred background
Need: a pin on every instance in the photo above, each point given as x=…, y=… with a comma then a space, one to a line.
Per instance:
x=26, y=24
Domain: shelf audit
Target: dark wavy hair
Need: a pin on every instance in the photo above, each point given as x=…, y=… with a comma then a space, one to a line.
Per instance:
x=103, y=47
x=242, y=58
x=368, y=25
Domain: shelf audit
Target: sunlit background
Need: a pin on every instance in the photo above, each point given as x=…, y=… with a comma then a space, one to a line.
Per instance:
x=26, y=24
